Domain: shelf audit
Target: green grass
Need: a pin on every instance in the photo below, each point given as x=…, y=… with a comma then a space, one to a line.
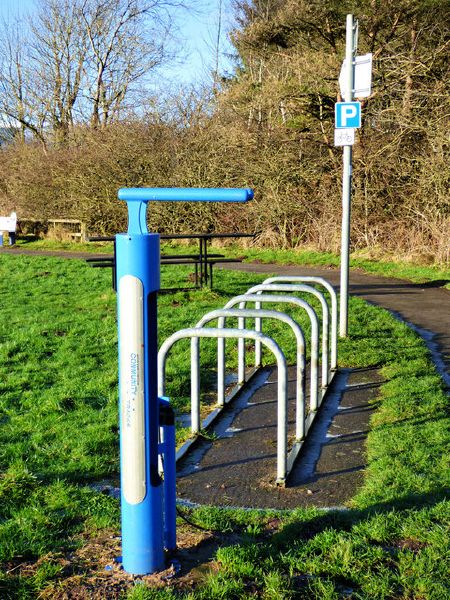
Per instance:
x=58, y=432
x=33, y=243
x=384, y=267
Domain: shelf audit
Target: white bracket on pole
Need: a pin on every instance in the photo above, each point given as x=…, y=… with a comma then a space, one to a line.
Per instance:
x=362, y=84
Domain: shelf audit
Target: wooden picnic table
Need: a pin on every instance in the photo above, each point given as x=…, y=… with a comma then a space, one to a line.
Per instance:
x=203, y=261
x=206, y=260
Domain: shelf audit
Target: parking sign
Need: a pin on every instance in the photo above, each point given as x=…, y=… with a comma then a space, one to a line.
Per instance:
x=347, y=115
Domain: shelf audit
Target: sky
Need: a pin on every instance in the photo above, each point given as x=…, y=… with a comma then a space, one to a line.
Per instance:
x=196, y=32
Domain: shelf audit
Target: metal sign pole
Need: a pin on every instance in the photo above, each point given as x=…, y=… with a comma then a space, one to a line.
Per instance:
x=144, y=508
x=346, y=183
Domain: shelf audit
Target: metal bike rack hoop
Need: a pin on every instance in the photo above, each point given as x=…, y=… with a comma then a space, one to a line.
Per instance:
x=334, y=306
x=244, y=298
x=282, y=378
x=258, y=289
x=250, y=313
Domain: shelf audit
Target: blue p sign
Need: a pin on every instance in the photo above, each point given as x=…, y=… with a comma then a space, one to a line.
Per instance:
x=348, y=114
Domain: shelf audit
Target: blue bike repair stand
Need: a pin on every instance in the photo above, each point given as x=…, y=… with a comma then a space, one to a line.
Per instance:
x=147, y=501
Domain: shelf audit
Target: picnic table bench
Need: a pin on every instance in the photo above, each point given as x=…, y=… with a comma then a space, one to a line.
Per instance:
x=203, y=261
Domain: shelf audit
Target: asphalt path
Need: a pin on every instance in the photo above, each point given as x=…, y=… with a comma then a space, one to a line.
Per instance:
x=425, y=306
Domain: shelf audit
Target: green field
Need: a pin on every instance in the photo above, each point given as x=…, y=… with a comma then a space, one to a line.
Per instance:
x=385, y=266
x=58, y=435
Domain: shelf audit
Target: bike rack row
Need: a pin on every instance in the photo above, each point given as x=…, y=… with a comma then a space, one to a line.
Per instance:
x=319, y=383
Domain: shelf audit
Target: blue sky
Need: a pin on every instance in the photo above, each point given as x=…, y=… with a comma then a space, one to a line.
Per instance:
x=14, y=6
x=198, y=35
x=196, y=32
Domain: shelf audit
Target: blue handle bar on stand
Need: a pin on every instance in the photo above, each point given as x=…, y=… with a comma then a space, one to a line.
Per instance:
x=137, y=199
x=186, y=194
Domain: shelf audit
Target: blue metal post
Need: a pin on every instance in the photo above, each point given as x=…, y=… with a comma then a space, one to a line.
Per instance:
x=137, y=260
x=167, y=449
x=138, y=280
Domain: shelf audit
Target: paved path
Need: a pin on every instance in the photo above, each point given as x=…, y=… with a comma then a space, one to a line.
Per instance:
x=239, y=467
x=424, y=305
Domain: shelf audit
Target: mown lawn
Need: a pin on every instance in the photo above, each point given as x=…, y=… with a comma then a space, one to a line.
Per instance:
x=384, y=266
x=58, y=434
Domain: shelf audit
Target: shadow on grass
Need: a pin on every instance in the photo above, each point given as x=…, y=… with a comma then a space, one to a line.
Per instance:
x=345, y=520
x=197, y=551
x=198, y=560
x=26, y=239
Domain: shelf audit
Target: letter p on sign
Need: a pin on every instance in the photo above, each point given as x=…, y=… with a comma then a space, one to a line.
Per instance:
x=348, y=114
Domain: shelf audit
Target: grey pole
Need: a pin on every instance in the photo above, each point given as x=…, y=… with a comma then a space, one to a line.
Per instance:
x=346, y=185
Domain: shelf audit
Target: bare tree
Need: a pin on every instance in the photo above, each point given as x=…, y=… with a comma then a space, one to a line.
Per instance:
x=58, y=51
x=127, y=40
x=81, y=61
x=19, y=104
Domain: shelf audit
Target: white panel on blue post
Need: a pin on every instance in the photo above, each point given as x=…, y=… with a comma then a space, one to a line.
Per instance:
x=131, y=357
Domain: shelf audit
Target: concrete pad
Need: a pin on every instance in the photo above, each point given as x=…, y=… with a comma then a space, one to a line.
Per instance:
x=238, y=469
